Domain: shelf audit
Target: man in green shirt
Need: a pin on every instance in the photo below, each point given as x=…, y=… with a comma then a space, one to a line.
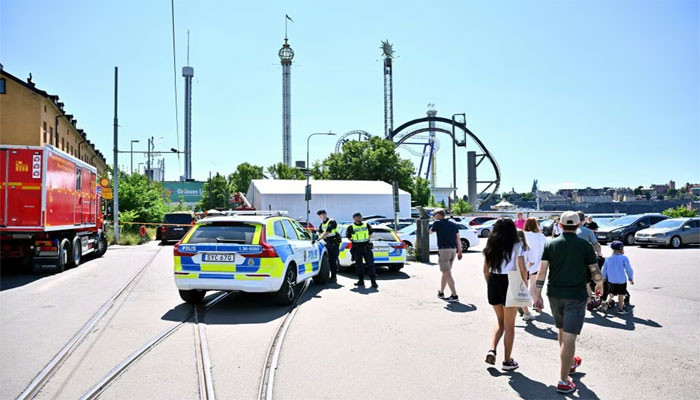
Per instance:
x=568, y=257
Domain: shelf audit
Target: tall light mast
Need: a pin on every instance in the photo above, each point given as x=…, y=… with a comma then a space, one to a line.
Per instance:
x=286, y=55
x=188, y=73
x=431, y=113
x=388, y=53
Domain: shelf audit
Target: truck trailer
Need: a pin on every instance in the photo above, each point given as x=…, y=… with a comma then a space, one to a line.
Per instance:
x=50, y=214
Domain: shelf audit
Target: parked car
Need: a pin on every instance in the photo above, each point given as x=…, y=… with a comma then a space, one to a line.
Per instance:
x=372, y=216
x=673, y=232
x=484, y=230
x=467, y=235
x=378, y=221
x=310, y=228
x=248, y=253
x=480, y=221
x=176, y=225
x=388, y=250
x=624, y=228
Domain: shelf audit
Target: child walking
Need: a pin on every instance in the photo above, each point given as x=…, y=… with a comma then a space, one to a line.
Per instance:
x=617, y=271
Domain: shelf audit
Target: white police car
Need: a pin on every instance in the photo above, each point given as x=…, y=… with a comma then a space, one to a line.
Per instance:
x=248, y=252
x=388, y=250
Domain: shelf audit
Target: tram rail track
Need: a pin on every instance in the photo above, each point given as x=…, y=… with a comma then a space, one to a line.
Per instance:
x=67, y=350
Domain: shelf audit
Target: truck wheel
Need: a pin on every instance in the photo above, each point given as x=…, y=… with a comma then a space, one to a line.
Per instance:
x=76, y=253
x=323, y=272
x=101, y=246
x=193, y=296
x=285, y=296
x=395, y=267
x=63, y=256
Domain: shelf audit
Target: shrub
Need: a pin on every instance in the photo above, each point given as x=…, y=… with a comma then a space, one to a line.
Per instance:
x=680, y=212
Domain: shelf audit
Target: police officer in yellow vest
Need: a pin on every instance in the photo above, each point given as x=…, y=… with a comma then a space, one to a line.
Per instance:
x=360, y=233
x=328, y=231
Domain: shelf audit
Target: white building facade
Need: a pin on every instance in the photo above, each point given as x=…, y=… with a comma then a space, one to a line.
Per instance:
x=340, y=198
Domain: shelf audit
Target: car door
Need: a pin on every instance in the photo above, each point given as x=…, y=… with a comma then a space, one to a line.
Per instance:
x=642, y=223
x=690, y=232
x=305, y=255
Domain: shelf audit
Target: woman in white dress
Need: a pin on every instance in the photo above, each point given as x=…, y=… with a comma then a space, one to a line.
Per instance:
x=535, y=245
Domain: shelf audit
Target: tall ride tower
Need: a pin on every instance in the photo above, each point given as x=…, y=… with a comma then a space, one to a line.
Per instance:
x=286, y=55
x=431, y=113
x=188, y=73
x=388, y=53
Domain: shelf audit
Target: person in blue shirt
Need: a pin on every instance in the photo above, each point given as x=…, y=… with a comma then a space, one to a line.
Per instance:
x=617, y=270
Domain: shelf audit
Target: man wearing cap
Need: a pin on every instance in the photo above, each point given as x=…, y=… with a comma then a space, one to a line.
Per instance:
x=328, y=231
x=569, y=258
x=360, y=234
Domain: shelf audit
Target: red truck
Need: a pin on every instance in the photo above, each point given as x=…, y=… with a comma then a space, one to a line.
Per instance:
x=50, y=214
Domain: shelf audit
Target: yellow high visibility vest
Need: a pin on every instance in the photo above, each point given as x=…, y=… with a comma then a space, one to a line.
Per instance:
x=333, y=232
x=360, y=233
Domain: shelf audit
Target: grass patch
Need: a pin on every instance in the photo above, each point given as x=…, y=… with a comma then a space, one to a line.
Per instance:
x=128, y=237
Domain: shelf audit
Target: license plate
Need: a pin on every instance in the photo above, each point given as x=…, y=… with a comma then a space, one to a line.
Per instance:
x=227, y=257
x=601, y=236
x=178, y=229
x=382, y=248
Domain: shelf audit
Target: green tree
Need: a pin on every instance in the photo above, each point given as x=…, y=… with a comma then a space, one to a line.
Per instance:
x=638, y=191
x=215, y=193
x=375, y=159
x=527, y=196
x=420, y=192
x=239, y=180
x=680, y=212
x=461, y=207
x=284, y=171
x=672, y=193
x=143, y=202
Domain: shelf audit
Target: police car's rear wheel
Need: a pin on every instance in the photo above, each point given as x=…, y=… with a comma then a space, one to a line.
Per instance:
x=395, y=267
x=287, y=292
x=192, y=296
x=323, y=272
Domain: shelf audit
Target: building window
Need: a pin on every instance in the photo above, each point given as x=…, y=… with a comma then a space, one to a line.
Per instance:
x=2, y=85
x=63, y=144
x=44, y=130
x=50, y=134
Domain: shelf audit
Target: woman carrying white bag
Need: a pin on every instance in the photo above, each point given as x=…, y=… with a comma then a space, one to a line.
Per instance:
x=504, y=263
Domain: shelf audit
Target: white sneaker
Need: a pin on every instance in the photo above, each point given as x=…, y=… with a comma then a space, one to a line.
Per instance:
x=529, y=317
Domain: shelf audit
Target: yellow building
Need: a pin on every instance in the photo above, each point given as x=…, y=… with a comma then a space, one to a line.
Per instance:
x=30, y=116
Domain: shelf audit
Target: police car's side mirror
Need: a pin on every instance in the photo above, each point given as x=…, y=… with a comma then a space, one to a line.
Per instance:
x=314, y=236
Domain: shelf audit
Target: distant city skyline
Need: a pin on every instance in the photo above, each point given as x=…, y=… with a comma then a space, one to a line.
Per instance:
x=576, y=95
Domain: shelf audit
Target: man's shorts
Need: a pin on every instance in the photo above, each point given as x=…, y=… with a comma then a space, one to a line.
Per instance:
x=568, y=313
x=618, y=289
x=445, y=258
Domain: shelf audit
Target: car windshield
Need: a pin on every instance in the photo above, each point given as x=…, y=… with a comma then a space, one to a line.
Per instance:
x=223, y=233
x=623, y=221
x=546, y=222
x=177, y=218
x=408, y=230
x=602, y=221
x=489, y=222
x=669, y=223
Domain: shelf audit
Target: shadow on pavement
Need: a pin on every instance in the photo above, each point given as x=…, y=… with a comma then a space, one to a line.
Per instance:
x=244, y=308
x=530, y=389
x=14, y=274
x=628, y=323
x=383, y=274
x=460, y=307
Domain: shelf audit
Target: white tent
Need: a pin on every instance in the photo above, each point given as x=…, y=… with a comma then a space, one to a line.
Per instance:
x=504, y=205
x=340, y=198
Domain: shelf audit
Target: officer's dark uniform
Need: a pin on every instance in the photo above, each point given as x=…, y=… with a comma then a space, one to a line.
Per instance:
x=362, y=251
x=332, y=244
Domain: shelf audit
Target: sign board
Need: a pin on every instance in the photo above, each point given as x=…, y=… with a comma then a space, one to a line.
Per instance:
x=307, y=195
x=395, y=191
x=107, y=193
x=187, y=192
x=104, y=182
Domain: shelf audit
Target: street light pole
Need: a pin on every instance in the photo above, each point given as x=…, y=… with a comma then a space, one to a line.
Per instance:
x=307, y=193
x=132, y=155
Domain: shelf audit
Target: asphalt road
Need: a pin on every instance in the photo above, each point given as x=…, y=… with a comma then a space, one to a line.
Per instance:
x=396, y=342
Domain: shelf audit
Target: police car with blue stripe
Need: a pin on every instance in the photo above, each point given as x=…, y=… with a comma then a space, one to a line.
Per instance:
x=388, y=250
x=248, y=252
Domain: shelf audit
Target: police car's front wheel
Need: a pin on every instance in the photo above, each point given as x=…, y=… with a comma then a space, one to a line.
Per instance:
x=192, y=296
x=323, y=272
x=287, y=292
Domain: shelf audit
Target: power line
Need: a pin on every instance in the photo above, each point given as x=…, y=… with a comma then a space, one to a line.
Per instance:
x=177, y=118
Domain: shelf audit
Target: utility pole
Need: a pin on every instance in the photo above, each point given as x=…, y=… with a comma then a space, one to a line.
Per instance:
x=148, y=160
x=132, y=155
x=116, y=161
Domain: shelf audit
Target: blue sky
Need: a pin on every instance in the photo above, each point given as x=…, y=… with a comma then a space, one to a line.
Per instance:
x=588, y=93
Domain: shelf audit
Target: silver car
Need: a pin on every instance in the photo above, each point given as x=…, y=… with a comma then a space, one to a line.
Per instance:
x=673, y=232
